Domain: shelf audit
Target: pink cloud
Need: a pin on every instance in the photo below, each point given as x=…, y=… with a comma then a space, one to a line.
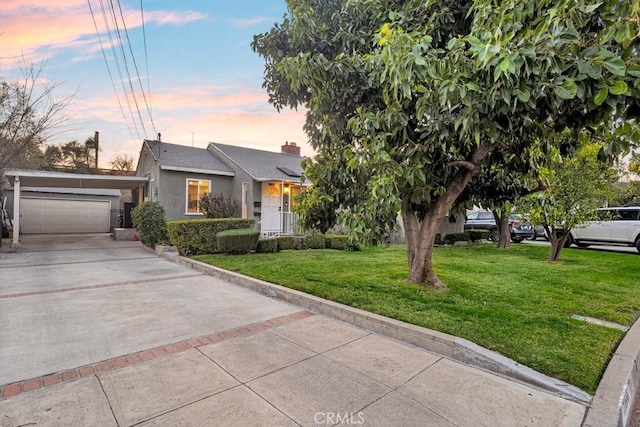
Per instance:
x=242, y=23
x=26, y=25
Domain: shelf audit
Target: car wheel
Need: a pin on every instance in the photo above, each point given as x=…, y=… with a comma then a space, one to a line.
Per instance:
x=495, y=235
x=569, y=241
x=535, y=235
x=638, y=244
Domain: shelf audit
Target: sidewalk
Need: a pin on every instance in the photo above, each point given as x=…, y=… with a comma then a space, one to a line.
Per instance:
x=223, y=366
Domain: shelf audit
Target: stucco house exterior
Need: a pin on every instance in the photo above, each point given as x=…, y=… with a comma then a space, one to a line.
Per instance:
x=263, y=182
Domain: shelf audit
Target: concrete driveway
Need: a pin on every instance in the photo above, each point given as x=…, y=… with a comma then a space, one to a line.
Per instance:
x=98, y=332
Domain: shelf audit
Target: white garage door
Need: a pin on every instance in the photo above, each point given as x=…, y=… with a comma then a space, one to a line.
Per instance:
x=64, y=216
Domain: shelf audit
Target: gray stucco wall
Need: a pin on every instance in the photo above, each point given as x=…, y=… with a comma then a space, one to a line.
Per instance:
x=148, y=166
x=172, y=192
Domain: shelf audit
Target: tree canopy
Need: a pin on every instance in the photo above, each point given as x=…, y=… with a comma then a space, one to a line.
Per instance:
x=408, y=99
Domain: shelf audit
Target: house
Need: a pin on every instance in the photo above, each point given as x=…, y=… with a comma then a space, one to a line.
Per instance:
x=263, y=182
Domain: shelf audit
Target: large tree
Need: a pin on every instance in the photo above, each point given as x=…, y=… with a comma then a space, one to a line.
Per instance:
x=414, y=96
x=29, y=110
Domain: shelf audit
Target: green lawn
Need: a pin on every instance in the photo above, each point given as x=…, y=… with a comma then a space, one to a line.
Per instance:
x=511, y=301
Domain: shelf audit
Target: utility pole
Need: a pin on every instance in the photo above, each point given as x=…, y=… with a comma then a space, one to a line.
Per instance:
x=96, y=139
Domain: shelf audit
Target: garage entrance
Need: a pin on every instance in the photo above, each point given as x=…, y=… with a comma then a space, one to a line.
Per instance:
x=64, y=216
x=58, y=214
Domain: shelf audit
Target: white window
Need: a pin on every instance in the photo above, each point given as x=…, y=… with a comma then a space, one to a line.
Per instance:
x=195, y=189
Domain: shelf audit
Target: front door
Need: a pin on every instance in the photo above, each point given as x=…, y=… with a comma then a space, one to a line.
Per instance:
x=270, y=216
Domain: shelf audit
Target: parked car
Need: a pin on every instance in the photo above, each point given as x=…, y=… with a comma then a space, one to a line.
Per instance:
x=614, y=226
x=539, y=232
x=483, y=220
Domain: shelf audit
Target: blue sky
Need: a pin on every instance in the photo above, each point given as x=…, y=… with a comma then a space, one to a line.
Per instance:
x=205, y=81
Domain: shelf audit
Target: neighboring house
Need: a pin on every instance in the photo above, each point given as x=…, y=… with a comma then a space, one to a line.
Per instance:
x=263, y=182
x=66, y=210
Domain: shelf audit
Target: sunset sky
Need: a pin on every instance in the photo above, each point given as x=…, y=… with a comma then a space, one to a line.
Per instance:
x=204, y=79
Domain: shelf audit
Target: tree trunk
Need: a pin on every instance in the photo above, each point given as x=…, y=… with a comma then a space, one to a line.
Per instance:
x=420, y=236
x=557, y=238
x=502, y=221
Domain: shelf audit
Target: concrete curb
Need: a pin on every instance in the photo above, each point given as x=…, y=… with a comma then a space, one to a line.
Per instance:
x=613, y=401
x=447, y=345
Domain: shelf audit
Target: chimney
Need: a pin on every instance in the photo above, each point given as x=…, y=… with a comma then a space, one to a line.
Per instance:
x=291, y=148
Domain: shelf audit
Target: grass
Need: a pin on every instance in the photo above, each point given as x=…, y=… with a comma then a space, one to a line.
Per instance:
x=511, y=301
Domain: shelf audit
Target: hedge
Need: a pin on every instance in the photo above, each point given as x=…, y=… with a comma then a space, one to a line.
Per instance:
x=337, y=241
x=315, y=241
x=478, y=234
x=286, y=243
x=267, y=245
x=456, y=237
x=198, y=236
x=238, y=241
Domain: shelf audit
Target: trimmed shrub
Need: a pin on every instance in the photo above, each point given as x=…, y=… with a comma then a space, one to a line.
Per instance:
x=286, y=243
x=337, y=241
x=315, y=241
x=298, y=243
x=150, y=222
x=267, y=245
x=198, y=236
x=456, y=237
x=438, y=240
x=239, y=241
x=478, y=234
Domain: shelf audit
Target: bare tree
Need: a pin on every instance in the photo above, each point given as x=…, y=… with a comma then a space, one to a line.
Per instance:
x=28, y=112
x=122, y=163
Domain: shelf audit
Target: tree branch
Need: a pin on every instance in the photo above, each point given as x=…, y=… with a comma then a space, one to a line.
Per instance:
x=463, y=163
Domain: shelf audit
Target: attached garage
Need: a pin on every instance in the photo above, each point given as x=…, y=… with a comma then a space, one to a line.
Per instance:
x=40, y=215
x=47, y=202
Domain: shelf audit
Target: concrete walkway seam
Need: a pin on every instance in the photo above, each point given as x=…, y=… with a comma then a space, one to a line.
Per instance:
x=613, y=401
x=443, y=344
x=16, y=388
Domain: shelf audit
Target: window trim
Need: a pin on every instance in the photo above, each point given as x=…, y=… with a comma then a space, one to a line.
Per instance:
x=186, y=195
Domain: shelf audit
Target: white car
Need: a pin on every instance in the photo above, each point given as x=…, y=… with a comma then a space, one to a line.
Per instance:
x=616, y=226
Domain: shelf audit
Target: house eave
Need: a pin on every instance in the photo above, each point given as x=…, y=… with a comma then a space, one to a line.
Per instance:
x=196, y=170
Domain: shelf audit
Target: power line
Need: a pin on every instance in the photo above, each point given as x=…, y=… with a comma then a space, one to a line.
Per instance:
x=146, y=60
x=117, y=62
x=126, y=65
x=135, y=64
x=104, y=55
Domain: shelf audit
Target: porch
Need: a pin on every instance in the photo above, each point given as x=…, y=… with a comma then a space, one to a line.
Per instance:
x=277, y=202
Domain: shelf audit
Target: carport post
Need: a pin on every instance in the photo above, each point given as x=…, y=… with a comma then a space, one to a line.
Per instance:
x=16, y=211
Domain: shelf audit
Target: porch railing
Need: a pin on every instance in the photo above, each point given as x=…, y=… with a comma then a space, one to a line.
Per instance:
x=285, y=225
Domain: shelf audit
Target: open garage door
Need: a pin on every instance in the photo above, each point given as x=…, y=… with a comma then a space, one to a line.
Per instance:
x=41, y=215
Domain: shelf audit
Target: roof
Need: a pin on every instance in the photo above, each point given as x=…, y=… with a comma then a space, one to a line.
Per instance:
x=37, y=178
x=263, y=165
x=187, y=159
x=85, y=191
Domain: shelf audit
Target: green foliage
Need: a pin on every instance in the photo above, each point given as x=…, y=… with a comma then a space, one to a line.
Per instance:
x=198, y=236
x=337, y=241
x=406, y=101
x=577, y=186
x=219, y=205
x=150, y=222
x=478, y=234
x=624, y=193
x=238, y=241
x=315, y=241
x=267, y=245
x=451, y=238
x=438, y=239
x=286, y=243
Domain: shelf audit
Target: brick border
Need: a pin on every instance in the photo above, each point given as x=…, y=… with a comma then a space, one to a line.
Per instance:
x=14, y=389
x=104, y=285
